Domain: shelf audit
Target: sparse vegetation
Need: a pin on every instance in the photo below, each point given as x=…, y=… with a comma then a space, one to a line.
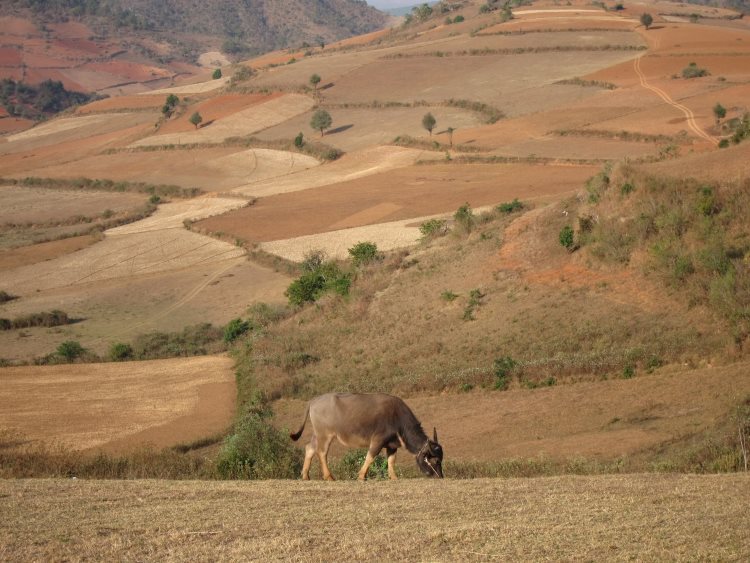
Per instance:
x=37, y=102
x=720, y=112
x=511, y=207
x=433, y=228
x=464, y=218
x=46, y=319
x=694, y=71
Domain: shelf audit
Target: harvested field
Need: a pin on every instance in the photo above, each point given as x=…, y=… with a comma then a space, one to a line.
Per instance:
x=358, y=129
x=20, y=204
x=241, y=123
x=628, y=517
x=197, y=88
x=403, y=193
x=160, y=245
x=119, y=405
x=351, y=166
x=215, y=169
x=58, y=126
x=510, y=82
x=120, y=103
x=612, y=419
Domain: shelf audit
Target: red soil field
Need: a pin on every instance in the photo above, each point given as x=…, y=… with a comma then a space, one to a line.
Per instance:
x=129, y=71
x=10, y=56
x=17, y=257
x=403, y=193
x=17, y=26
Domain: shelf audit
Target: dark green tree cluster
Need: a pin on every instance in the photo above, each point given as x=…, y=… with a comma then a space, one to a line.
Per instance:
x=169, y=105
x=33, y=102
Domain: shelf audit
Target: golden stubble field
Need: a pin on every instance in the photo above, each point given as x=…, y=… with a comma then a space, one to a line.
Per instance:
x=614, y=518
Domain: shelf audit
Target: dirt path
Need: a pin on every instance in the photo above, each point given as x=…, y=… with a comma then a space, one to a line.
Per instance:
x=687, y=112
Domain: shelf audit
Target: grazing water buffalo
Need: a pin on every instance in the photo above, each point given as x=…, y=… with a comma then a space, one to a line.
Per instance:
x=373, y=421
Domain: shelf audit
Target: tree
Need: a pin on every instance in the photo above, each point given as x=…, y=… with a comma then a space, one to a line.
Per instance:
x=299, y=140
x=70, y=350
x=314, y=81
x=450, y=131
x=720, y=112
x=217, y=74
x=196, y=119
x=428, y=122
x=169, y=105
x=646, y=20
x=321, y=120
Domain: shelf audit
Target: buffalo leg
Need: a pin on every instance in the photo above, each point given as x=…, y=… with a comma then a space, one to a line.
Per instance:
x=391, y=453
x=309, y=453
x=323, y=456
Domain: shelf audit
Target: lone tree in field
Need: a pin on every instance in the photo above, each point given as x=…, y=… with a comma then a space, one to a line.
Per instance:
x=321, y=119
x=428, y=122
x=720, y=112
x=314, y=81
x=217, y=74
x=646, y=20
x=450, y=131
x=196, y=119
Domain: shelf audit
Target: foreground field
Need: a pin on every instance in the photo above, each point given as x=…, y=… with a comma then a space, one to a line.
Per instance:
x=642, y=517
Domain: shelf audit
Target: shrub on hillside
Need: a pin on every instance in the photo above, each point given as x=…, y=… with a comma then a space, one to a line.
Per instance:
x=194, y=340
x=567, y=238
x=257, y=450
x=70, y=350
x=503, y=369
x=234, y=329
x=364, y=253
x=433, y=228
x=314, y=283
x=511, y=207
x=120, y=352
x=464, y=218
x=45, y=319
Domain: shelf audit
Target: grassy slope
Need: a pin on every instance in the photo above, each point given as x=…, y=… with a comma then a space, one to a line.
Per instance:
x=643, y=517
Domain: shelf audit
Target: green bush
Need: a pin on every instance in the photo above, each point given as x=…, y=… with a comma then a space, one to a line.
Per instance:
x=120, y=352
x=234, y=329
x=511, y=207
x=217, y=74
x=299, y=140
x=433, y=228
x=567, y=238
x=70, y=350
x=257, y=450
x=364, y=253
x=196, y=340
x=312, y=284
x=464, y=218
x=502, y=369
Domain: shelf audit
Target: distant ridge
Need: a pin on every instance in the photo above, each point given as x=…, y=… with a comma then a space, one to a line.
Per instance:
x=252, y=26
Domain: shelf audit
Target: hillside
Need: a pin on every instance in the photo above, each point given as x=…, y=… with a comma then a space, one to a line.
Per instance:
x=254, y=27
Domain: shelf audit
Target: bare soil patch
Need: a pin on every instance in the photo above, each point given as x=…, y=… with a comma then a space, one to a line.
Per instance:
x=642, y=517
x=163, y=402
x=16, y=257
x=411, y=192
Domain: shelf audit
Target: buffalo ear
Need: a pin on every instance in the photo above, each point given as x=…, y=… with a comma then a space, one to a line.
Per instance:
x=434, y=434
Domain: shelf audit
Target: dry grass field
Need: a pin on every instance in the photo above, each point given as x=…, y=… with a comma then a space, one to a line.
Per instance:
x=624, y=517
x=118, y=406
